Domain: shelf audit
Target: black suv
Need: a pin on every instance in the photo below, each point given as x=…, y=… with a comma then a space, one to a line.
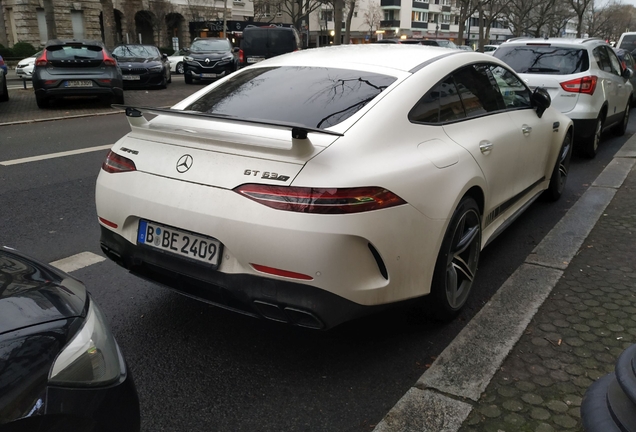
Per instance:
x=76, y=68
x=260, y=43
x=209, y=59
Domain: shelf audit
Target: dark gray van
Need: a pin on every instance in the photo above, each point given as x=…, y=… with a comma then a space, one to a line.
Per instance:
x=260, y=43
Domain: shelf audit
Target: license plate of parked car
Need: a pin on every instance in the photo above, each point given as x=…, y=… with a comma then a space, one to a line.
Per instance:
x=178, y=242
x=79, y=83
x=131, y=77
x=254, y=59
x=209, y=75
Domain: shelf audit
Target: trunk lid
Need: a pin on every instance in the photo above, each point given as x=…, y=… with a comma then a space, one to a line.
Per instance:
x=561, y=100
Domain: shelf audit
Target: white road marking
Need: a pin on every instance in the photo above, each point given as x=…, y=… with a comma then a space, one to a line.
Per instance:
x=77, y=262
x=55, y=155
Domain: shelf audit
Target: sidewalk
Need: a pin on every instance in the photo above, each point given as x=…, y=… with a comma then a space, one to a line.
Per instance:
x=21, y=107
x=555, y=326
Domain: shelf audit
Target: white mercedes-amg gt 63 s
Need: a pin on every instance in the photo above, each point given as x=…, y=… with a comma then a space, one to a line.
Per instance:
x=318, y=186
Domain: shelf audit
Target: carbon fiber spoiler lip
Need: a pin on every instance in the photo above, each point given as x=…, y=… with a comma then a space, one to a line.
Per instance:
x=298, y=131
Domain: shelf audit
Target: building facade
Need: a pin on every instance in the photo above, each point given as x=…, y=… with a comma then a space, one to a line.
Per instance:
x=164, y=23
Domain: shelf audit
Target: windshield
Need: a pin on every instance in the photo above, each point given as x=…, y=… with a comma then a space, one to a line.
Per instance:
x=544, y=59
x=74, y=52
x=628, y=43
x=136, y=51
x=202, y=45
x=310, y=96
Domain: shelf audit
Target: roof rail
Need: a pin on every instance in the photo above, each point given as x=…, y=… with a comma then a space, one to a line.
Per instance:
x=592, y=39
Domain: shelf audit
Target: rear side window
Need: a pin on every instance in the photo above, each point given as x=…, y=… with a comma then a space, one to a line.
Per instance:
x=281, y=40
x=544, y=59
x=310, y=96
x=441, y=104
x=74, y=52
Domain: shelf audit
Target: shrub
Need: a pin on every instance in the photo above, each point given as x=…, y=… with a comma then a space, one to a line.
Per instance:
x=5, y=52
x=23, y=49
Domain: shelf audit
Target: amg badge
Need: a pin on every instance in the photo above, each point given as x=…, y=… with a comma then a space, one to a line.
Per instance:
x=266, y=175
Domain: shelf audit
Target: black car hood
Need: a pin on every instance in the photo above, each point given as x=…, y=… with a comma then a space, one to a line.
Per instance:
x=33, y=293
x=212, y=55
x=137, y=60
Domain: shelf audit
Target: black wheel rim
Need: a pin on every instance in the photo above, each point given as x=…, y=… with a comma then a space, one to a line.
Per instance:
x=626, y=118
x=462, y=259
x=597, y=133
x=564, y=161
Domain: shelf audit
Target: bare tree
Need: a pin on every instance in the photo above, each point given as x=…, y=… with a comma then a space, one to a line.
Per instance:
x=49, y=17
x=350, y=8
x=266, y=10
x=493, y=11
x=372, y=17
x=466, y=10
x=159, y=10
x=298, y=10
x=580, y=7
x=108, y=21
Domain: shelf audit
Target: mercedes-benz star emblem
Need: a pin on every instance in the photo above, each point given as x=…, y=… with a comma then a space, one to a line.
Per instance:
x=184, y=163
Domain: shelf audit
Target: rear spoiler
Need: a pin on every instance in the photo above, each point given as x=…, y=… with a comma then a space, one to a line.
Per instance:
x=136, y=118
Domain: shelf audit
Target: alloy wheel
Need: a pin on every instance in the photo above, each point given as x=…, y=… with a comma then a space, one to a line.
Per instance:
x=463, y=256
x=564, y=161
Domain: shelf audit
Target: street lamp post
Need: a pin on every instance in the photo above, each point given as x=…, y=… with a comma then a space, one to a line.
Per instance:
x=436, y=25
x=225, y=20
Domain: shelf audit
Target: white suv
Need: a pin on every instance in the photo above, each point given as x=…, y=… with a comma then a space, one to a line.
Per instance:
x=585, y=80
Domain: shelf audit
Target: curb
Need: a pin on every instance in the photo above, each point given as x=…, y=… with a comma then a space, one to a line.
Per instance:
x=441, y=399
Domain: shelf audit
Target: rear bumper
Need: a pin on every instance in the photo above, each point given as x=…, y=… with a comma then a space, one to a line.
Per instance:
x=259, y=297
x=90, y=91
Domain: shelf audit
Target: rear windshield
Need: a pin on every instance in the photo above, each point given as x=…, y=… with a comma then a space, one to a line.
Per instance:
x=203, y=45
x=74, y=52
x=628, y=43
x=274, y=39
x=310, y=96
x=544, y=59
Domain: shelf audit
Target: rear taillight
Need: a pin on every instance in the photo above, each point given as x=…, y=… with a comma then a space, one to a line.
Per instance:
x=41, y=61
x=108, y=60
x=322, y=201
x=1, y=62
x=241, y=56
x=117, y=164
x=586, y=84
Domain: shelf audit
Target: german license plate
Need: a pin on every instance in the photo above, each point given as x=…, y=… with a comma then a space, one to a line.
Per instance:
x=209, y=75
x=178, y=242
x=254, y=59
x=131, y=77
x=79, y=83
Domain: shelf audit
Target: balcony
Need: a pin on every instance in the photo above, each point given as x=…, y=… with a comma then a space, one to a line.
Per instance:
x=445, y=26
x=389, y=23
x=446, y=8
x=397, y=3
x=419, y=5
x=419, y=25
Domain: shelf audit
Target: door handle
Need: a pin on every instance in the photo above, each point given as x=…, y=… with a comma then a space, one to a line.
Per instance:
x=526, y=129
x=485, y=147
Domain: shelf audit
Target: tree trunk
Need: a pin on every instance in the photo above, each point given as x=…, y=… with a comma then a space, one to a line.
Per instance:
x=108, y=20
x=49, y=17
x=481, y=28
x=347, y=37
x=4, y=40
x=338, y=6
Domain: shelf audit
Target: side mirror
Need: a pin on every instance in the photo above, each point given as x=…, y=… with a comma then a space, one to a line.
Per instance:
x=627, y=73
x=186, y=50
x=164, y=56
x=540, y=100
x=236, y=49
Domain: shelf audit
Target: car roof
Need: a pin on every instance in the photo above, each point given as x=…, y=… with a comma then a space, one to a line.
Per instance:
x=55, y=42
x=402, y=57
x=554, y=41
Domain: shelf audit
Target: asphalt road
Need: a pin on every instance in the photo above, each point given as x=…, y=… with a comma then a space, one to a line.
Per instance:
x=201, y=368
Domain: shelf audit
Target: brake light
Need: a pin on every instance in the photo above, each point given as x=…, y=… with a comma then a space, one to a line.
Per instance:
x=1, y=62
x=107, y=222
x=241, y=56
x=321, y=200
x=108, y=60
x=115, y=163
x=41, y=61
x=586, y=85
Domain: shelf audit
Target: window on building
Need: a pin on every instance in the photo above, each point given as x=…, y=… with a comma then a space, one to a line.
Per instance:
x=455, y=19
x=388, y=15
x=42, y=25
x=77, y=22
x=355, y=14
x=446, y=19
x=446, y=2
x=326, y=15
x=419, y=17
x=432, y=17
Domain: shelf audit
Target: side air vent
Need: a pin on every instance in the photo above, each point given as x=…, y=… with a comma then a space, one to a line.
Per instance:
x=379, y=262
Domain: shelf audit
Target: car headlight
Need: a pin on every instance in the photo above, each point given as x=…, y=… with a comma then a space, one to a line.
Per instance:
x=227, y=58
x=155, y=68
x=188, y=58
x=92, y=357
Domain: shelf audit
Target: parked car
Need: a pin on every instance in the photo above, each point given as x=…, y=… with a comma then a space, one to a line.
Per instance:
x=489, y=49
x=176, y=61
x=399, y=41
x=61, y=366
x=260, y=43
x=143, y=66
x=24, y=69
x=3, y=66
x=627, y=62
x=364, y=187
x=4, y=91
x=209, y=59
x=444, y=43
x=585, y=79
x=465, y=48
x=76, y=68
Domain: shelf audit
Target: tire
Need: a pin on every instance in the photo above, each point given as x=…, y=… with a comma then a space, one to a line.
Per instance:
x=179, y=68
x=119, y=99
x=187, y=77
x=590, y=145
x=42, y=101
x=164, y=83
x=620, y=128
x=5, y=92
x=169, y=77
x=457, y=261
x=560, y=170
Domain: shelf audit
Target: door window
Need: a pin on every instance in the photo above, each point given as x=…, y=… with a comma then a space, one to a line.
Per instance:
x=515, y=94
x=478, y=90
x=441, y=104
x=602, y=59
x=614, y=62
